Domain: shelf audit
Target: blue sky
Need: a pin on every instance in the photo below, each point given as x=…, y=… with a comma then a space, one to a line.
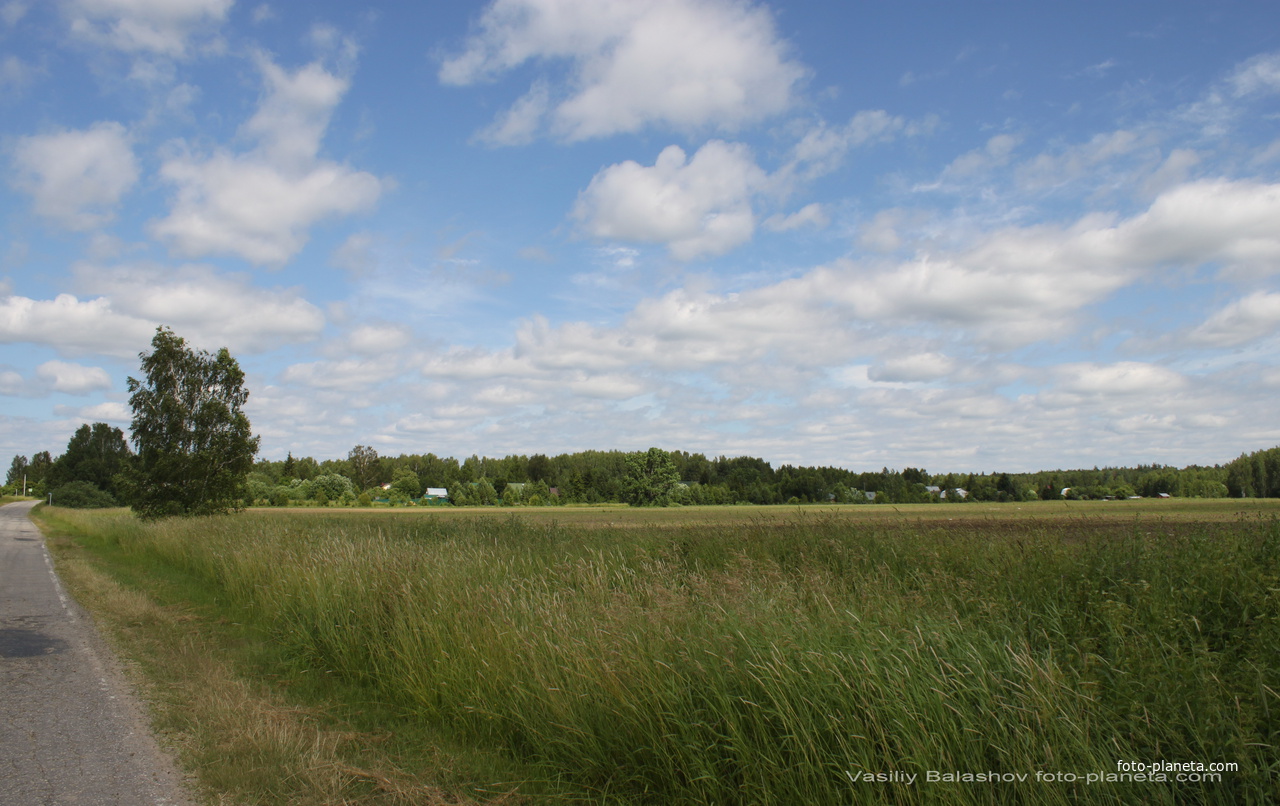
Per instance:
x=979, y=236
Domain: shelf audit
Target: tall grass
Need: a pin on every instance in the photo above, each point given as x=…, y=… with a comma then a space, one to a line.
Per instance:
x=772, y=664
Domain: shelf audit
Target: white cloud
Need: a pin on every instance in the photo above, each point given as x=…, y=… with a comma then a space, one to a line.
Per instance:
x=160, y=27
x=822, y=148
x=1231, y=223
x=76, y=177
x=209, y=309
x=1100, y=69
x=352, y=374
x=106, y=412
x=357, y=254
x=12, y=384
x=13, y=11
x=1075, y=162
x=375, y=339
x=294, y=112
x=1123, y=378
x=997, y=152
x=687, y=64
x=811, y=215
x=881, y=234
x=916, y=368
x=1020, y=285
x=72, y=326
x=520, y=124
x=15, y=74
x=1257, y=75
x=259, y=205
x=73, y=379
x=1245, y=320
x=697, y=207
x=1014, y=287
x=1174, y=171
x=245, y=206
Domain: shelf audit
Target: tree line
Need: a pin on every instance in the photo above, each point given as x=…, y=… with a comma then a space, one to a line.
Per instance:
x=98, y=457
x=191, y=453
x=598, y=477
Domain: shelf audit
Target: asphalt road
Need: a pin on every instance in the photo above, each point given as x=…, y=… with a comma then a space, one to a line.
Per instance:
x=70, y=730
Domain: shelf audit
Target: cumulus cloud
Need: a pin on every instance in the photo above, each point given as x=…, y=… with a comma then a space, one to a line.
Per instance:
x=1123, y=378
x=73, y=379
x=54, y=376
x=373, y=339
x=145, y=26
x=1253, y=317
x=1013, y=287
x=73, y=326
x=127, y=303
x=208, y=308
x=687, y=64
x=697, y=207
x=352, y=375
x=294, y=112
x=1023, y=284
x=916, y=368
x=259, y=205
x=106, y=412
x=76, y=178
x=12, y=384
x=1231, y=223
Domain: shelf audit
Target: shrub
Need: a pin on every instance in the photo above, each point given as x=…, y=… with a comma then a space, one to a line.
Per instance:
x=82, y=495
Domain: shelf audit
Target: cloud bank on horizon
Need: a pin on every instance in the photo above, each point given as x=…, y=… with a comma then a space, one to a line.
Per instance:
x=984, y=238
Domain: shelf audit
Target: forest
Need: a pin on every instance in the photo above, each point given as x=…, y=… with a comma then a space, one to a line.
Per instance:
x=93, y=471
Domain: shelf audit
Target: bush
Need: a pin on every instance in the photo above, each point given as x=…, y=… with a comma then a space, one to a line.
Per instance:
x=82, y=495
x=334, y=487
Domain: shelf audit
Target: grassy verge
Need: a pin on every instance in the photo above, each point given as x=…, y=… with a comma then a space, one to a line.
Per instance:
x=248, y=729
x=747, y=661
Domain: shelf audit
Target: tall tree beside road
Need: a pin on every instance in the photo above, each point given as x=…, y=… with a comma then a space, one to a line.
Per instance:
x=39, y=467
x=193, y=439
x=17, y=472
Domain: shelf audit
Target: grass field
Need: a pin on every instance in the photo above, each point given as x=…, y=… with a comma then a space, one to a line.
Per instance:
x=704, y=655
x=621, y=515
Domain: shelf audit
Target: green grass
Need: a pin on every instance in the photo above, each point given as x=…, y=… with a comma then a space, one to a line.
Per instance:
x=695, y=656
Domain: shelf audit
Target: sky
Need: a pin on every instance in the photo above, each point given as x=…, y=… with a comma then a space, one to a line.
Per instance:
x=990, y=236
